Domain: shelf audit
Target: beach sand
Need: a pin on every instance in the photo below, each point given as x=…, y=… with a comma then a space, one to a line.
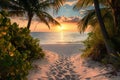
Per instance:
x=64, y=49
x=63, y=62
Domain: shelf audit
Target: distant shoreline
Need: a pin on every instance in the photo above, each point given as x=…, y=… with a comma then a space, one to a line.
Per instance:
x=59, y=38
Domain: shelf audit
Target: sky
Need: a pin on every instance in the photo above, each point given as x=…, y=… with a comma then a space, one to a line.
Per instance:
x=67, y=9
x=66, y=16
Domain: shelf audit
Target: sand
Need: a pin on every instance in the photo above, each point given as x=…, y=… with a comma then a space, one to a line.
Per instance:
x=64, y=49
x=63, y=62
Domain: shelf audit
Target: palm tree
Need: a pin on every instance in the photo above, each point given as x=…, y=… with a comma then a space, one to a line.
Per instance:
x=112, y=5
x=83, y=3
x=35, y=7
x=103, y=29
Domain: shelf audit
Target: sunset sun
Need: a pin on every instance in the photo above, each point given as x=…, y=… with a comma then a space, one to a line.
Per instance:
x=61, y=28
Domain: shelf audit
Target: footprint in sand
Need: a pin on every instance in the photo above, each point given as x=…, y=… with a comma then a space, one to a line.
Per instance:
x=62, y=69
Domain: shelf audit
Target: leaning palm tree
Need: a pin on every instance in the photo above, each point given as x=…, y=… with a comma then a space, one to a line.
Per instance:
x=107, y=40
x=84, y=3
x=35, y=7
x=111, y=5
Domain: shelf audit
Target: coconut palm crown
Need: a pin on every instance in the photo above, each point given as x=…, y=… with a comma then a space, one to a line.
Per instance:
x=34, y=7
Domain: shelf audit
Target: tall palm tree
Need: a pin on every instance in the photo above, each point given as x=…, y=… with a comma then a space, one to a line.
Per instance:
x=84, y=3
x=35, y=7
x=103, y=29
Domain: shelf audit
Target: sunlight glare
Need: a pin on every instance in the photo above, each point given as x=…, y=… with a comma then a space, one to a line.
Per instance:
x=61, y=28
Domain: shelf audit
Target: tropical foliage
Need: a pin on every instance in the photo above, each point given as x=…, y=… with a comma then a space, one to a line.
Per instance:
x=95, y=44
x=109, y=9
x=17, y=50
x=33, y=7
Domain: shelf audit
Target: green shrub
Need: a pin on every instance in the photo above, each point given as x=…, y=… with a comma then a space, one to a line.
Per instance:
x=17, y=50
x=22, y=40
x=95, y=47
x=96, y=50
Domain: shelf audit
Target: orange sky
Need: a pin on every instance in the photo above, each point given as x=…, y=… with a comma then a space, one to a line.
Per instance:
x=66, y=27
x=41, y=27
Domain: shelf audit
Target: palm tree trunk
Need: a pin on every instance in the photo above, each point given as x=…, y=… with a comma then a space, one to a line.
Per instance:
x=107, y=41
x=30, y=16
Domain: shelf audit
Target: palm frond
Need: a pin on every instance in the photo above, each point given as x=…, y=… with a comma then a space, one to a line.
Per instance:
x=35, y=7
x=82, y=3
x=47, y=18
x=17, y=13
x=56, y=4
x=89, y=19
x=44, y=5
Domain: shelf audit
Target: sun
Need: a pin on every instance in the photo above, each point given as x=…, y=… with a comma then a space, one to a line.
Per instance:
x=61, y=28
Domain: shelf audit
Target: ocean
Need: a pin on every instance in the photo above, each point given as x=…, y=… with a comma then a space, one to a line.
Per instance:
x=59, y=37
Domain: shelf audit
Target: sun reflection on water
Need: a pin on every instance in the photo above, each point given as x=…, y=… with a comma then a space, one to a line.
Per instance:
x=61, y=36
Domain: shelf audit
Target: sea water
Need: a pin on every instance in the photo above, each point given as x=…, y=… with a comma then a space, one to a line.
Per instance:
x=59, y=37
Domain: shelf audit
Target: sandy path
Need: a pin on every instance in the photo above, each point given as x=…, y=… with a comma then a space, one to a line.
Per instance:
x=62, y=69
x=63, y=62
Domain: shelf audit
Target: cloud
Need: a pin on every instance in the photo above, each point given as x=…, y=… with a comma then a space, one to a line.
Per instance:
x=71, y=2
x=68, y=19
